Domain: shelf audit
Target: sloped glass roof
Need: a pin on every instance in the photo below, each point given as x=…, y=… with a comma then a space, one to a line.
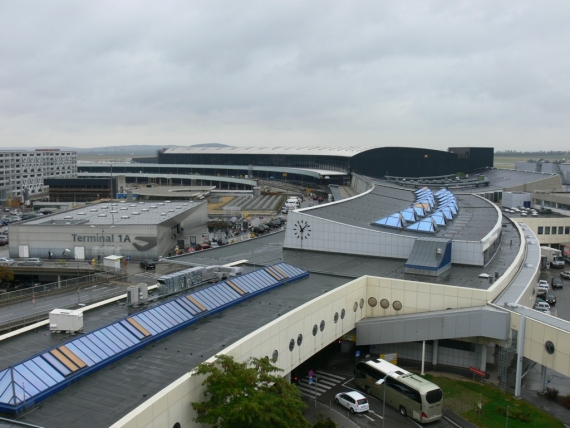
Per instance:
x=419, y=209
x=35, y=379
x=446, y=211
x=395, y=220
x=439, y=218
x=426, y=225
x=409, y=215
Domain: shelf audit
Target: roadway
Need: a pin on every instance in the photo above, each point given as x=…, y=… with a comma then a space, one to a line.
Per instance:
x=339, y=379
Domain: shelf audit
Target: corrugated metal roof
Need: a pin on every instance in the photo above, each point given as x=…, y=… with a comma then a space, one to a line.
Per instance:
x=117, y=213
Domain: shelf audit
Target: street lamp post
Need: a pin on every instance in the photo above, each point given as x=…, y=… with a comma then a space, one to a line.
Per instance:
x=385, y=382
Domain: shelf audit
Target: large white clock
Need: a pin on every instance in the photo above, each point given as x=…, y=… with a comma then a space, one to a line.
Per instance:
x=302, y=229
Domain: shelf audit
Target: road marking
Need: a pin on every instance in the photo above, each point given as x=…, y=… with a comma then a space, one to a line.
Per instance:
x=49, y=304
x=338, y=378
x=366, y=416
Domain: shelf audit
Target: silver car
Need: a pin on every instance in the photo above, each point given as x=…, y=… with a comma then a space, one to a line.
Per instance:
x=32, y=261
x=6, y=261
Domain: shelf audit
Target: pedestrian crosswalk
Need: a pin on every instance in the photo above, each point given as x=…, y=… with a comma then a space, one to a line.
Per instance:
x=322, y=382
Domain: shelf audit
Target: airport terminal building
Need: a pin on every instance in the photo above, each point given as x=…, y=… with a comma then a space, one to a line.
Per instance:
x=139, y=230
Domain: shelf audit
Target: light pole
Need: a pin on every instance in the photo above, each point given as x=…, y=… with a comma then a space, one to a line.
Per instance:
x=385, y=382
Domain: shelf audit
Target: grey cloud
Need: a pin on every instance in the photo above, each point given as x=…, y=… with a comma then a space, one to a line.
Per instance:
x=414, y=73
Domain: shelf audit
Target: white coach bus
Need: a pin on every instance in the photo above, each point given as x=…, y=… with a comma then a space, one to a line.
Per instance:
x=409, y=393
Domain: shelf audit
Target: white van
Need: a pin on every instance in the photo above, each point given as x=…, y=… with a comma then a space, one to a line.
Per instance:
x=292, y=204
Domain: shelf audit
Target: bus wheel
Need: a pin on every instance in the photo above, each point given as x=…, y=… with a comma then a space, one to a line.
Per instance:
x=367, y=390
x=403, y=411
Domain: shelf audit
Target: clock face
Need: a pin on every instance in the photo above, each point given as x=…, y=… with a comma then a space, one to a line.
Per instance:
x=302, y=229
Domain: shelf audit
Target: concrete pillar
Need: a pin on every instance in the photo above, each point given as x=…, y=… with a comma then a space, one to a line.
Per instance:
x=483, y=358
x=59, y=281
x=543, y=379
x=288, y=377
x=434, y=350
x=520, y=351
x=423, y=356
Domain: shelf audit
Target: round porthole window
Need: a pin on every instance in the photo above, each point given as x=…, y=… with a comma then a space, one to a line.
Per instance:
x=299, y=339
x=385, y=303
x=397, y=305
x=549, y=346
x=361, y=303
x=336, y=317
x=372, y=301
x=322, y=326
x=291, y=345
x=342, y=314
x=315, y=329
x=355, y=306
x=275, y=356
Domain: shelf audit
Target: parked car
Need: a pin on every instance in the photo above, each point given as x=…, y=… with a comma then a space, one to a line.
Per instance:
x=557, y=282
x=147, y=264
x=6, y=261
x=541, y=289
x=550, y=298
x=32, y=261
x=4, y=240
x=259, y=230
x=353, y=401
x=544, y=311
x=541, y=304
x=543, y=282
x=565, y=275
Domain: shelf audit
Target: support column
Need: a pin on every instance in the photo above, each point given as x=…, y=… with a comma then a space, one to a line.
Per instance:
x=423, y=356
x=59, y=281
x=434, y=350
x=543, y=379
x=483, y=358
x=520, y=351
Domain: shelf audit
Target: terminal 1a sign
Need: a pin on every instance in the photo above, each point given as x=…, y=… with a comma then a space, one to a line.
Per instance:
x=100, y=238
x=141, y=243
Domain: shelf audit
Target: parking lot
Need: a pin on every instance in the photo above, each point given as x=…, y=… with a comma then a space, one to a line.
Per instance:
x=562, y=307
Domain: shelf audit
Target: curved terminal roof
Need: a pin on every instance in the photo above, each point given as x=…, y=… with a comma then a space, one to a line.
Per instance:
x=271, y=150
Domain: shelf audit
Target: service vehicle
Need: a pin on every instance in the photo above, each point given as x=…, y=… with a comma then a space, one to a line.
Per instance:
x=411, y=394
x=354, y=401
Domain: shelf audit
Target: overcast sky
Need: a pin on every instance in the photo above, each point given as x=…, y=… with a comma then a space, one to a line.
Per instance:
x=335, y=73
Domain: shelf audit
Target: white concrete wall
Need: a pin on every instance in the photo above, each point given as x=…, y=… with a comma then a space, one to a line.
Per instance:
x=335, y=237
x=172, y=404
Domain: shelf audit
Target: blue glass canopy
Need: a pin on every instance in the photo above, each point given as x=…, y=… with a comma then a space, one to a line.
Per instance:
x=35, y=379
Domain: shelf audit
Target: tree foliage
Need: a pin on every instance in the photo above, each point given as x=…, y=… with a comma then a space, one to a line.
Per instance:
x=6, y=274
x=248, y=395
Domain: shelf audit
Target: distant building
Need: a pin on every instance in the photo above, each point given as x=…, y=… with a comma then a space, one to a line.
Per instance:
x=22, y=173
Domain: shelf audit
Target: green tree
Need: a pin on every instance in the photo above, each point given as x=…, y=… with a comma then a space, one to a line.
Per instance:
x=6, y=274
x=248, y=395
